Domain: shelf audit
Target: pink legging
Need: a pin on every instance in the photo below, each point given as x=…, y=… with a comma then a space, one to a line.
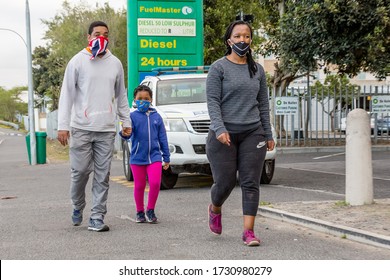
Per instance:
x=153, y=171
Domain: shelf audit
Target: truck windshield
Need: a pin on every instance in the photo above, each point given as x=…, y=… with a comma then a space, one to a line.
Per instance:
x=181, y=91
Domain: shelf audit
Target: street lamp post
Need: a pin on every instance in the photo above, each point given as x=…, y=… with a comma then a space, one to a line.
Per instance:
x=30, y=89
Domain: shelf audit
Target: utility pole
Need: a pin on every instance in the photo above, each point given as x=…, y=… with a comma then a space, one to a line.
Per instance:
x=241, y=15
x=33, y=148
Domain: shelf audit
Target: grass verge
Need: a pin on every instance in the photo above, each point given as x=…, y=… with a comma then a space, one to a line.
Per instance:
x=55, y=152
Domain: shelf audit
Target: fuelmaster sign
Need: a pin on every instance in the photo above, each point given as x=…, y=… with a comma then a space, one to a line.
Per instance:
x=163, y=34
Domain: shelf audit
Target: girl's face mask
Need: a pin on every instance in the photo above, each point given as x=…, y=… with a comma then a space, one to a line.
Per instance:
x=142, y=105
x=98, y=45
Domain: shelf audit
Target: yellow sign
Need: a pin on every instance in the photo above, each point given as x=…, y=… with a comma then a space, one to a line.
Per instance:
x=150, y=44
x=159, y=10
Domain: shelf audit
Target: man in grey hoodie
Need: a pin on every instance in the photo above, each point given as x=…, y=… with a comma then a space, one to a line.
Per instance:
x=92, y=93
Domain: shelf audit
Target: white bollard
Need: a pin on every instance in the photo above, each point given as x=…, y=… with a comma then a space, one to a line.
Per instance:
x=358, y=179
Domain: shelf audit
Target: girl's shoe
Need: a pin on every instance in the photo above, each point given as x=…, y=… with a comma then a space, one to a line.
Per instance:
x=150, y=216
x=249, y=238
x=140, y=218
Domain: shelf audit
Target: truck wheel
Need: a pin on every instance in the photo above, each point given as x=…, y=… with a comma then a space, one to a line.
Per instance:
x=168, y=179
x=268, y=171
x=126, y=161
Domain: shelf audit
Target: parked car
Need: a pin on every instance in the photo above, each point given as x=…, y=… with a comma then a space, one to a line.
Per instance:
x=181, y=101
x=383, y=125
x=343, y=123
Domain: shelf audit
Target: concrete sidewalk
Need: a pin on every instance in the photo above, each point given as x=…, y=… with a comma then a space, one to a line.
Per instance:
x=369, y=224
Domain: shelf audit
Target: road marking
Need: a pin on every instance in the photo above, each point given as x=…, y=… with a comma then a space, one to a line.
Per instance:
x=121, y=180
x=1, y=141
x=328, y=156
x=326, y=172
x=11, y=134
x=309, y=190
x=319, y=171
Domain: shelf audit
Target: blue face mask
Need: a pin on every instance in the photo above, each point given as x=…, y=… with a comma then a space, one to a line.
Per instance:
x=142, y=105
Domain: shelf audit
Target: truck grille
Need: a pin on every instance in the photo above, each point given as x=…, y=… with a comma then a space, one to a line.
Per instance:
x=201, y=126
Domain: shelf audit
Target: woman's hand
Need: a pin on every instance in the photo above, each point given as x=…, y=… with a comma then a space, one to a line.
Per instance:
x=270, y=145
x=224, y=138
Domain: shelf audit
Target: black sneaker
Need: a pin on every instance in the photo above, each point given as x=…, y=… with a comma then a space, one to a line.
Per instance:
x=77, y=217
x=150, y=216
x=140, y=218
x=97, y=225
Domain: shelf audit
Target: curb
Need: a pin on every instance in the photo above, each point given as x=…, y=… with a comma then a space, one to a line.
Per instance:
x=328, y=227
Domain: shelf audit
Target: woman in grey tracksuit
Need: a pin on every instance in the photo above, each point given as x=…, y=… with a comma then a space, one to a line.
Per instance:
x=240, y=130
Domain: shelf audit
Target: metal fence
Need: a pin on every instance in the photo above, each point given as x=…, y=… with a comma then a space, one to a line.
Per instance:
x=319, y=116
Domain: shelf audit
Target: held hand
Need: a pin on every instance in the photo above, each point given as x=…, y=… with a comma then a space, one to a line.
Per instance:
x=270, y=145
x=165, y=165
x=126, y=131
x=224, y=138
x=63, y=136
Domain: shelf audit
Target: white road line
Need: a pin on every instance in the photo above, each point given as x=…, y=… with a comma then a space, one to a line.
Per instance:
x=1, y=141
x=319, y=171
x=309, y=190
x=332, y=173
x=332, y=155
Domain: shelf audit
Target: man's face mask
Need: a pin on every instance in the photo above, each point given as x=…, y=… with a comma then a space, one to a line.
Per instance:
x=142, y=105
x=98, y=46
x=240, y=48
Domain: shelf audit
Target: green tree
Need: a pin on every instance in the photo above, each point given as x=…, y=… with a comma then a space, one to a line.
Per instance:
x=47, y=74
x=11, y=104
x=218, y=14
x=348, y=36
x=334, y=94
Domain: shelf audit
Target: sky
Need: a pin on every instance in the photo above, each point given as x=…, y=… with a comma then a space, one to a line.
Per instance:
x=13, y=52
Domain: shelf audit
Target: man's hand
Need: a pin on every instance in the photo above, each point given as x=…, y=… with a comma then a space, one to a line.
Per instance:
x=126, y=131
x=63, y=136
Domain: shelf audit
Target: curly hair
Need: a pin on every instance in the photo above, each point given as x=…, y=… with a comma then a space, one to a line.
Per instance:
x=143, y=88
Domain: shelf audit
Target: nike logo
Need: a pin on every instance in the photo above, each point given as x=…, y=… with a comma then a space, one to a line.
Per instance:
x=261, y=144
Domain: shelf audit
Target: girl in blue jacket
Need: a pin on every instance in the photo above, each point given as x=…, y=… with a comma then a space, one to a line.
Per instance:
x=149, y=148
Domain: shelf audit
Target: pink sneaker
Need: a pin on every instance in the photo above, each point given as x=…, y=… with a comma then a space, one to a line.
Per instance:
x=215, y=223
x=249, y=238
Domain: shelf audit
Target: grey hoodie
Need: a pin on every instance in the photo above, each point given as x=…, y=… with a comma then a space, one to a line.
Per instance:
x=92, y=93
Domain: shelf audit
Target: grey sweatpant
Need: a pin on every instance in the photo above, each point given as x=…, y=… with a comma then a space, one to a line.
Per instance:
x=90, y=151
x=246, y=155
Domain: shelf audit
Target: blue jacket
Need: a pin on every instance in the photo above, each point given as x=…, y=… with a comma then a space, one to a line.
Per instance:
x=149, y=142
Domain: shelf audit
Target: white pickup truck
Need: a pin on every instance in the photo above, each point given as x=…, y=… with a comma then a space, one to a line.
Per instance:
x=180, y=99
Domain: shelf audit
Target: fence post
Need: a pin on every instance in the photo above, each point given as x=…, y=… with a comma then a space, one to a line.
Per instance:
x=359, y=182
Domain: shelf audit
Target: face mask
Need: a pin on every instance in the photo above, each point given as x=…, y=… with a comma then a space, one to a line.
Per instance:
x=98, y=46
x=240, y=48
x=142, y=105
